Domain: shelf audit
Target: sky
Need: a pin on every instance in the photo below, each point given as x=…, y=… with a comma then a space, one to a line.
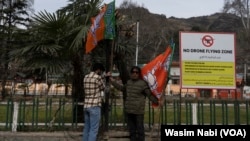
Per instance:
x=176, y=8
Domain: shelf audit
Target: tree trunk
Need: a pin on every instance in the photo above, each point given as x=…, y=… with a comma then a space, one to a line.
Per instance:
x=77, y=87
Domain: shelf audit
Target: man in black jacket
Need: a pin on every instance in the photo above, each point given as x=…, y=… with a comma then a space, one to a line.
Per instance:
x=137, y=91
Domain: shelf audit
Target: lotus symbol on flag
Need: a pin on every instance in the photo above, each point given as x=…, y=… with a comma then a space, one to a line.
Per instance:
x=151, y=79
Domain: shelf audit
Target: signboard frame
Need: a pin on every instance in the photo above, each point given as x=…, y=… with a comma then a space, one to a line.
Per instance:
x=207, y=60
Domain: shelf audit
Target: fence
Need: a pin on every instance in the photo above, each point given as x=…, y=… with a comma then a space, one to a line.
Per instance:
x=46, y=114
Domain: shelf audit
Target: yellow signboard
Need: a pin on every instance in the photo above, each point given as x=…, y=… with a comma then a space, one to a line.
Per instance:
x=207, y=60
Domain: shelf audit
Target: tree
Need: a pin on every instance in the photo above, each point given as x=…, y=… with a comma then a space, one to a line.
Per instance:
x=56, y=45
x=14, y=17
x=57, y=42
x=241, y=8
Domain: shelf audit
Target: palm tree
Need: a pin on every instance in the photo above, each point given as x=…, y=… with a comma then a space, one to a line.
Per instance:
x=56, y=44
x=47, y=49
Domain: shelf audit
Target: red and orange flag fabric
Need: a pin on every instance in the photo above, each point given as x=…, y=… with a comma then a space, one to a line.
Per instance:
x=103, y=26
x=155, y=73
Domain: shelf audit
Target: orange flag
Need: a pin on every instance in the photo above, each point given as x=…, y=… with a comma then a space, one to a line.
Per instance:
x=155, y=73
x=103, y=26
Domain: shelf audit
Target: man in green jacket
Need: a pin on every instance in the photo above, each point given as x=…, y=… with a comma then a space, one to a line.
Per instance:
x=137, y=91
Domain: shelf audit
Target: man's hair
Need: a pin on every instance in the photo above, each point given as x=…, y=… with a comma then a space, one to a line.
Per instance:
x=137, y=68
x=97, y=66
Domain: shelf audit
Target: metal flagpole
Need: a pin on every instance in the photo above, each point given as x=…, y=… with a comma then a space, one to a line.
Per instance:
x=137, y=37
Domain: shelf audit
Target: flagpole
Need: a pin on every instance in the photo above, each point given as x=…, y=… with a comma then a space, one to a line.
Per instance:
x=137, y=40
x=109, y=67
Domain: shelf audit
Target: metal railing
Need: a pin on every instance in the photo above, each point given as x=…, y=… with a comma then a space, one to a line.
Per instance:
x=46, y=114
